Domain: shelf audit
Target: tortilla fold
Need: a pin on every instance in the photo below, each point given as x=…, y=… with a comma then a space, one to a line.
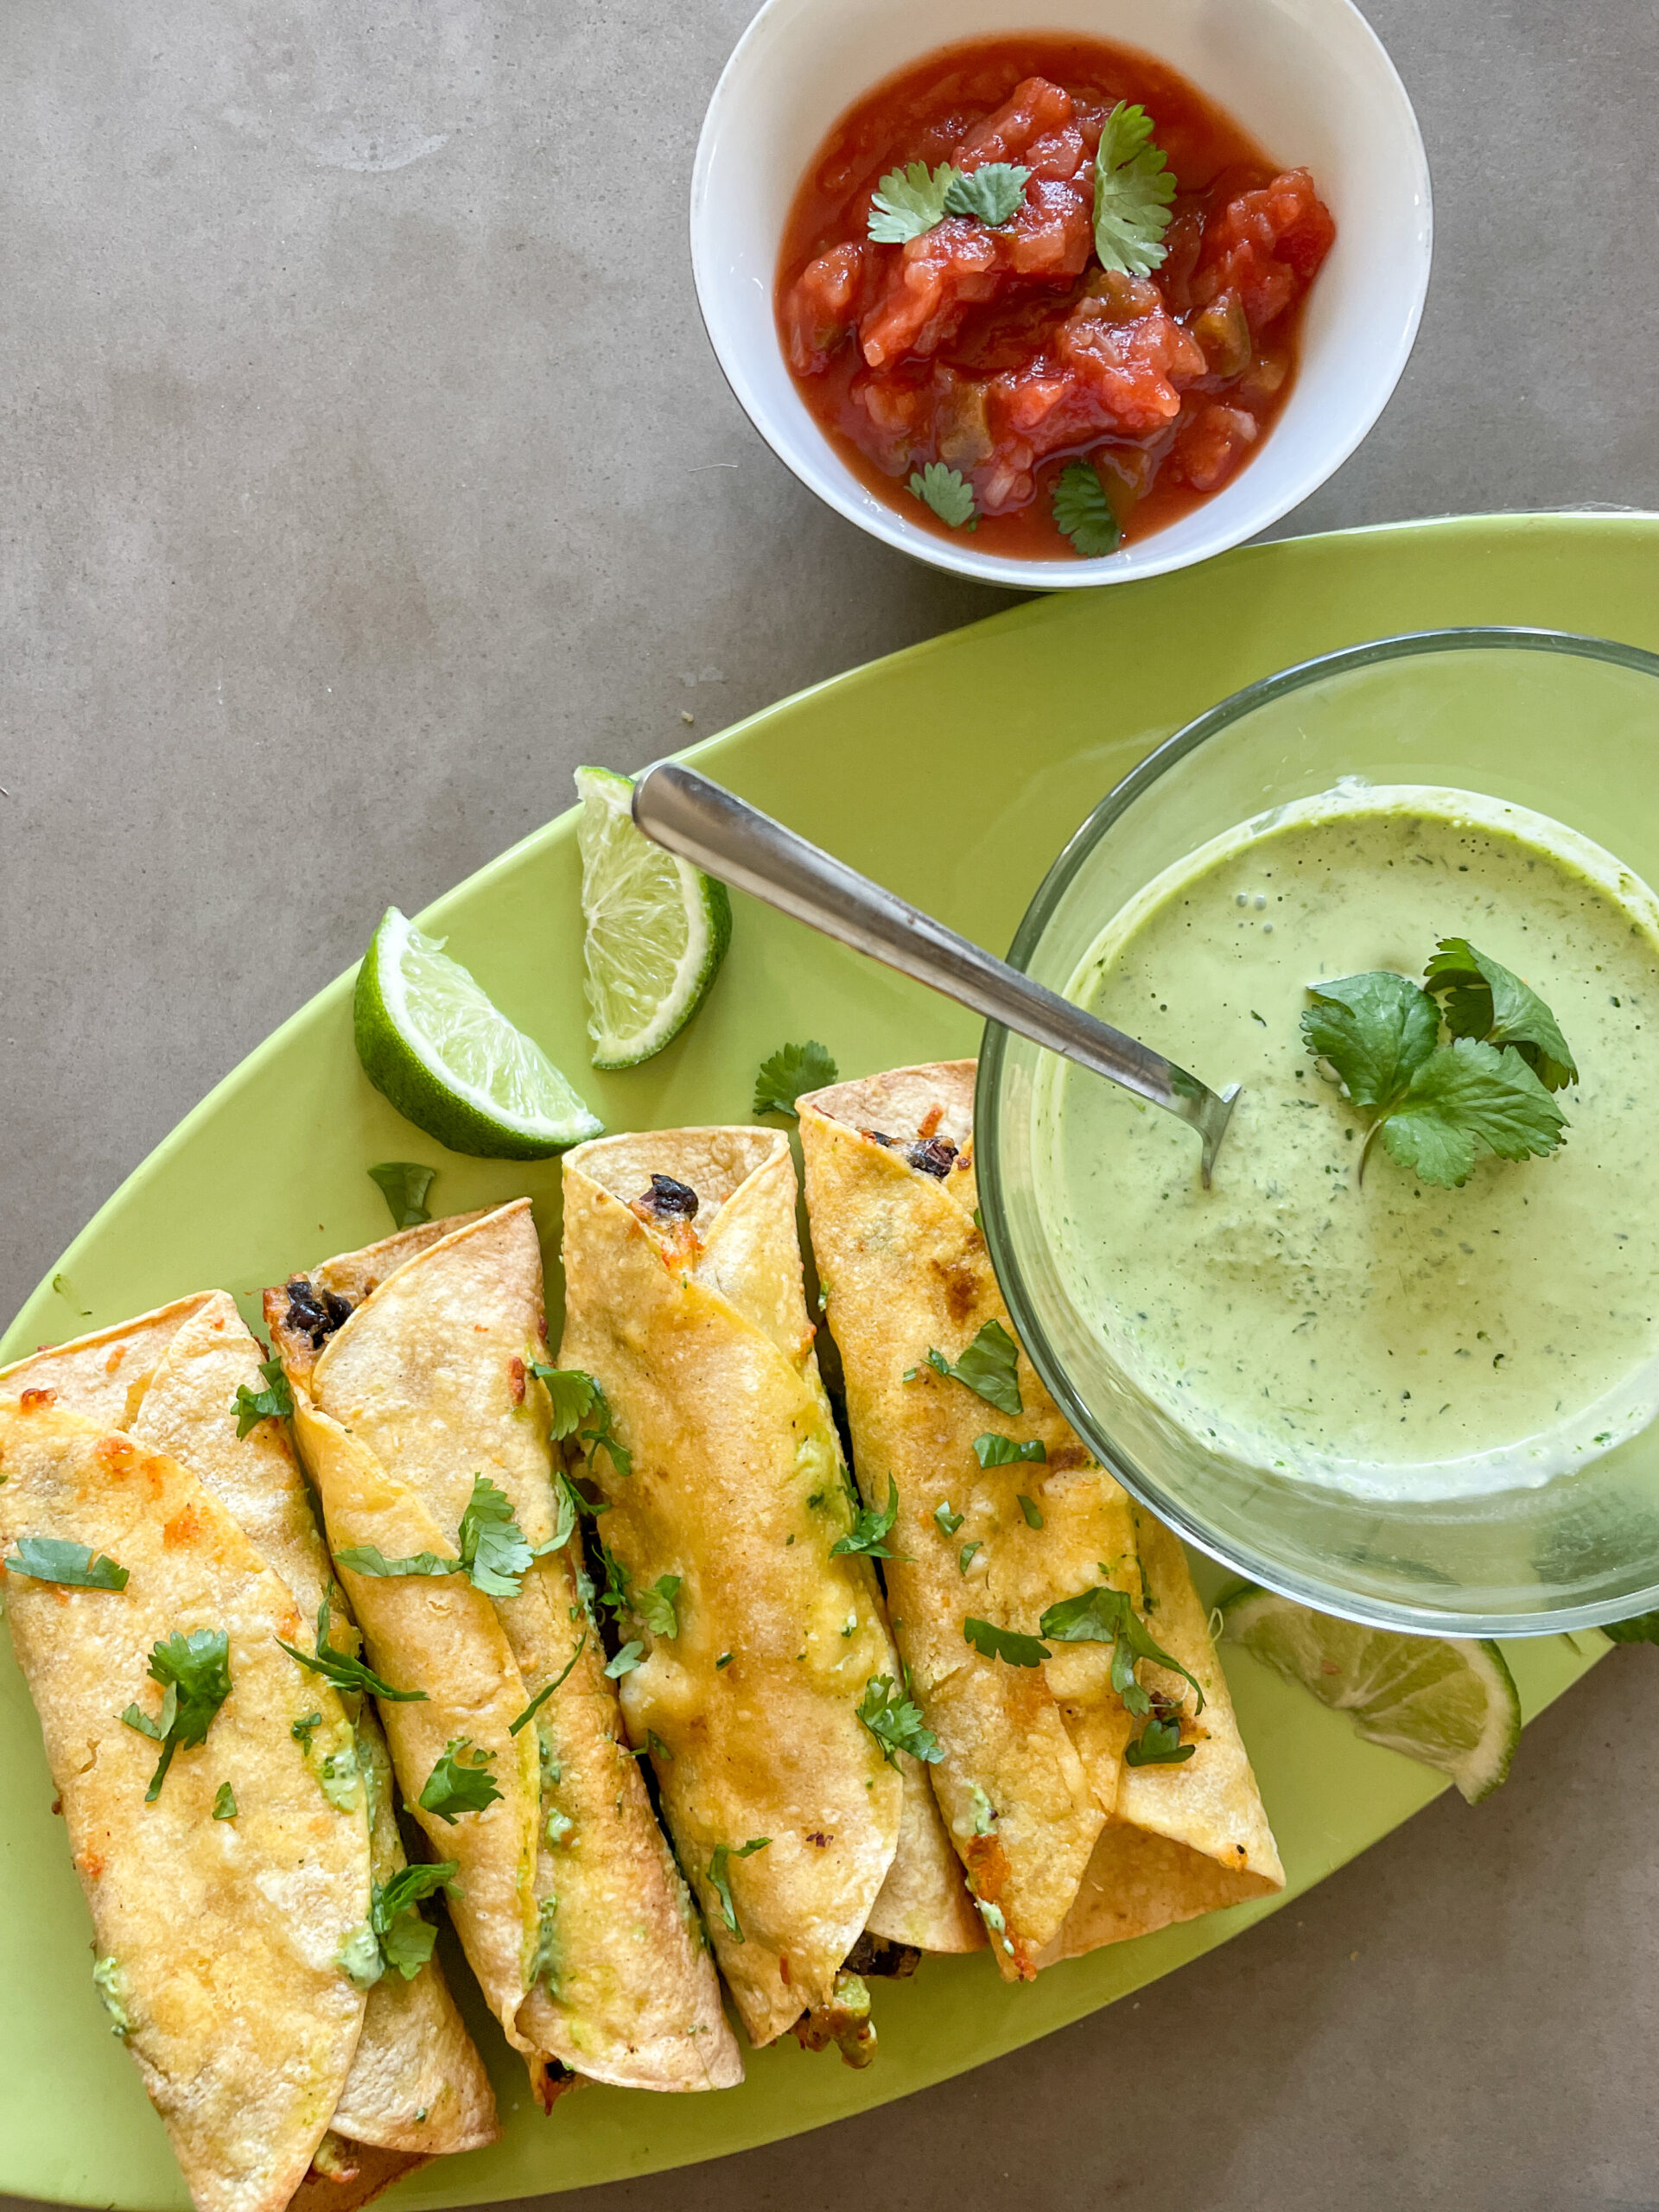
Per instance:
x=1066, y=1844
x=574, y=1915
x=783, y=1807
x=170, y=1378
x=219, y=1935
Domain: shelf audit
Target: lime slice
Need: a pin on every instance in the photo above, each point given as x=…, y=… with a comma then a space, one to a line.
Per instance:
x=1448, y=1703
x=450, y=1061
x=658, y=928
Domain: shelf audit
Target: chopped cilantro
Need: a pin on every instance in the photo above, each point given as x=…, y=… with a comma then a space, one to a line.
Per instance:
x=1133, y=190
x=655, y=1606
x=615, y=1596
x=630, y=1656
x=274, y=1402
x=547, y=1689
x=994, y=1642
x=459, y=1782
x=718, y=1877
x=302, y=1730
x=948, y=493
x=792, y=1070
x=1002, y=1451
x=1159, y=1744
x=1083, y=513
x=404, y=1184
x=194, y=1672
x=493, y=1552
x=965, y=1556
x=404, y=1937
x=896, y=1722
x=225, y=1802
x=55, y=1558
x=724, y=1660
x=989, y=1367
x=576, y=1395
x=61, y=1284
x=949, y=1523
x=871, y=1529
x=1032, y=1512
x=345, y=1671
x=1105, y=1616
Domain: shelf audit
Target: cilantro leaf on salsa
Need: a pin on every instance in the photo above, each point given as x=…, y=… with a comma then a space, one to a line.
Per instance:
x=993, y=193
x=721, y=1880
x=1483, y=999
x=1083, y=511
x=55, y=1558
x=908, y=202
x=989, y=1367
x=896, y=1723
x=194, y=1672
x=404, y=1184
x=274, y=1402
x=871, y=1529
x=949, y=493
x=1133, y=190
x=343, y=1668
x=792, y=1070
x=460, y=1782
x=994, y=1642
x=1465, y=1097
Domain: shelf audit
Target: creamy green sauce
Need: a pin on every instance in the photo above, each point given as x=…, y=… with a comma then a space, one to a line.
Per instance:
x=1390, y=1338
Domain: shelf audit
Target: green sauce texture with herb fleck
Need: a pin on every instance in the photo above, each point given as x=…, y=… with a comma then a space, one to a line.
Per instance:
x=1388, y=1337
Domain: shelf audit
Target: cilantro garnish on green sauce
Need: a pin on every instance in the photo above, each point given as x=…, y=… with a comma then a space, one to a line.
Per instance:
x=1438, y=1107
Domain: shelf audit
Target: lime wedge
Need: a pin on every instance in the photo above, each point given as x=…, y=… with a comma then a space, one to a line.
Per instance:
x=1448, y=1703
x=450, y=1061
x=658, y=928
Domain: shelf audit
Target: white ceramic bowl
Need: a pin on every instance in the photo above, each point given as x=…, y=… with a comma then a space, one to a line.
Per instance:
x=1308, y=78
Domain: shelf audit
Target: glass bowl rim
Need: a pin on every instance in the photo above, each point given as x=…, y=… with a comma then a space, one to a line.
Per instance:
x=1369, y=1612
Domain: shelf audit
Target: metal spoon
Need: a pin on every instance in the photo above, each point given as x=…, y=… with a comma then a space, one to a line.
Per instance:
x=706, y=824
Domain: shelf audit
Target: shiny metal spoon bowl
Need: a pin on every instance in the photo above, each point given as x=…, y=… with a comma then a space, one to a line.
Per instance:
x=706, y=824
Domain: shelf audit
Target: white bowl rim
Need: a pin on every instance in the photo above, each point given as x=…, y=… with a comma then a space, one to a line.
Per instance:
x=833, y=484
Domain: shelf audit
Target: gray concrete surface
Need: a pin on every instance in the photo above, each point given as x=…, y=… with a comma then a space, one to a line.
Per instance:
x=364, y=468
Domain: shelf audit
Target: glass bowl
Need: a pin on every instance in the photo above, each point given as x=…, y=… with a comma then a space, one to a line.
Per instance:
x=1566, y=725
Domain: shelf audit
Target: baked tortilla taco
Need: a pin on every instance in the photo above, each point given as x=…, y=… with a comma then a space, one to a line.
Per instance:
x=420, y=1413
x=228, y=1882
x=177, y=1381
x=1092, y=1777
x=756, y=1669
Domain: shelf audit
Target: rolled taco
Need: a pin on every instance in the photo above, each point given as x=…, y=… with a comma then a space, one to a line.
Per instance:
x=228, y=1884
x=756, y=1666
x=1093, y=1777
x=421, y=1415
x=177, y=1381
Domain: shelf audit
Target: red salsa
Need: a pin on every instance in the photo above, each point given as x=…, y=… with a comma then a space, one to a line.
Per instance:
x=1003, y=351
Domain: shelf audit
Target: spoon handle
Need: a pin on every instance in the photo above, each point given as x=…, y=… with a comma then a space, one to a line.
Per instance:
x=707, y=825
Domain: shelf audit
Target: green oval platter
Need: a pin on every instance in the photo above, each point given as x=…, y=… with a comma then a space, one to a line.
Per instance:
x=954, y=773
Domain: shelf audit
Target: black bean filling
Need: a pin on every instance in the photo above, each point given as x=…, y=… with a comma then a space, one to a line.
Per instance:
x=935, y=1156
x=874, y=1954
x=314, y=1312
x=667, y=1197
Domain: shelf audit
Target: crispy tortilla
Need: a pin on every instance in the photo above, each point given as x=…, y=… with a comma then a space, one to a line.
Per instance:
x=1065, y=1845
x=223, y=1935
x=575, y=1919
x=698, y=1335
x=170, y=1378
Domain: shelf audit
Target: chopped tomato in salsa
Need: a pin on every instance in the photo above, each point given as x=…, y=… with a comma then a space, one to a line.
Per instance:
x=1003, y=352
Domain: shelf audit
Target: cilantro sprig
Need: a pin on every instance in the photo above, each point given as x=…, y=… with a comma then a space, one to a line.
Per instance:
x=871, y=1529
x=1438, y=1107
x=1105, y=1616
x=460, y=1780
x=577, y=1396
x=343, y=1668
x=406, y=1936
x=989, y=1367
x=1133, y=190
x=56, y=1559
x=194, y=1672
x=1083, y=513
x=792, y=1070
x=721, y=1881
x=492, y=1551
x=274, y=1402
x=895, y=1721
x=909, y=202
